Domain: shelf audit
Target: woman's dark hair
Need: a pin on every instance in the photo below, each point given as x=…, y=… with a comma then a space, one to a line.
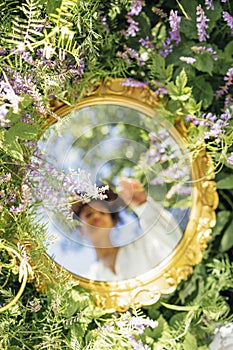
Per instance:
x=112, y=202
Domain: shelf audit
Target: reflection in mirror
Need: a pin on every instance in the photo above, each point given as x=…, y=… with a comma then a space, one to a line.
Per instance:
x=148, y=194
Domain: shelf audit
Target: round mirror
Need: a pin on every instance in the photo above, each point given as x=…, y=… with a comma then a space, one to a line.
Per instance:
x=138, y=220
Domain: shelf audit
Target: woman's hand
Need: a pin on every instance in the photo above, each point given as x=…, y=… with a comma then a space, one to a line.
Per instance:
x=132, y=192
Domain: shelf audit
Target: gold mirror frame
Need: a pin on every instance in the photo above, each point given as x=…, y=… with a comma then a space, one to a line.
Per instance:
x=164, y=278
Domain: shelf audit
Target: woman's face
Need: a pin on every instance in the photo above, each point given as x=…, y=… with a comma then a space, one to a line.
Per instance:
x=95, y=218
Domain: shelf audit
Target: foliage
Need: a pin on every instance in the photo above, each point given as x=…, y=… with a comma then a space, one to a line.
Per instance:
x=50, y=49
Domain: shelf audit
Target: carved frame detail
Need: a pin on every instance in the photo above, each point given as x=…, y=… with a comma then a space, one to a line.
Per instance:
x=146, y=289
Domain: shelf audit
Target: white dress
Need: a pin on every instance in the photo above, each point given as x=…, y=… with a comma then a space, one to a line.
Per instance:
x=161, y=234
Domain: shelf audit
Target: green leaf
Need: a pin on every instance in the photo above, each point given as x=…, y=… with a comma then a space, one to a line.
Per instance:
x=188, y=26
x=157, y=332
x=2, y=133
x=169, y=71
x=225, y=183
x=23, y=131
x=77, y=300
x=27, y=100
x=13, y=117
x=13, y=148
x=181, y=80
x=203, y=91
x=178, y=95
x=228, y=50
x=53, y=5
x=214, y=16
x=77, y=332
x=223, y=217
x=158, y=69
x=190, y=342
x=192, y=106
x=227, y=239
x=173, y=106
x=204, y=63
x=179, y=91
x=177, y=319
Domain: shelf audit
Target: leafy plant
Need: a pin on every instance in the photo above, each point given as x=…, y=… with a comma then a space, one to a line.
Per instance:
x=56, y=49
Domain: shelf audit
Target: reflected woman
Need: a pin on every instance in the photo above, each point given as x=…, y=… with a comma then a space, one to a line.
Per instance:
x=160, y=234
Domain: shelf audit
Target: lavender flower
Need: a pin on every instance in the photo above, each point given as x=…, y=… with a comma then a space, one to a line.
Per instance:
x=140, y=323
x=202, y=49
x=167, y=48
x=205, y=119
x=105, y=24
x=230, y=159
x=161, y=91
x=175, y=173
x=188, y=60
x=229, y=75
x=229, y=81
x=135, y=8
x=56, y=190
x=216, y=125
x=26, y=118
x=132, y=29
x=228, y=101
x=75, y=70
x=2, y=51
x=147, y=43
x=7, y=177
x=34, y=305
x=201, y=24
x=180, y=189
x=134, y=83
x=129, y=54
x=174, y=21
x=159, y=12
x=229, y=19
x=216, y=130
x=20, y=85
x=209, y=4
x=174, y=35
x=18, y=209
x=129, y=327
x=159, y=150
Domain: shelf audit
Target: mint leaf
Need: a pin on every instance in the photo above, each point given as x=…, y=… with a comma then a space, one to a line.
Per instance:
x=204, y=63
x=13, y=148
x=227, y=241
x=226, y=183
x=23, y=131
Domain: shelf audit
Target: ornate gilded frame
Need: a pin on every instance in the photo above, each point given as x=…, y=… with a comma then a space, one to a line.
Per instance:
x=164, y=278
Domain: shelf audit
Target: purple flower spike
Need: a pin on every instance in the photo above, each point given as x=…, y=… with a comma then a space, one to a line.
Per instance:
x=230, y=159
x=174, y=21
x=167, y=48
x=209, y=4
x=229, y=81
x=188, y=60
x=202, y=24
x=147, y=43
x=2, y=51
x=136, y=8
x=229, y=19
x=134, y=83
x=132, y=29
x=202, y=49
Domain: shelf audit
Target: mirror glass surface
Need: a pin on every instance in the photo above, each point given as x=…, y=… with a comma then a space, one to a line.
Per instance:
x=109, y=143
